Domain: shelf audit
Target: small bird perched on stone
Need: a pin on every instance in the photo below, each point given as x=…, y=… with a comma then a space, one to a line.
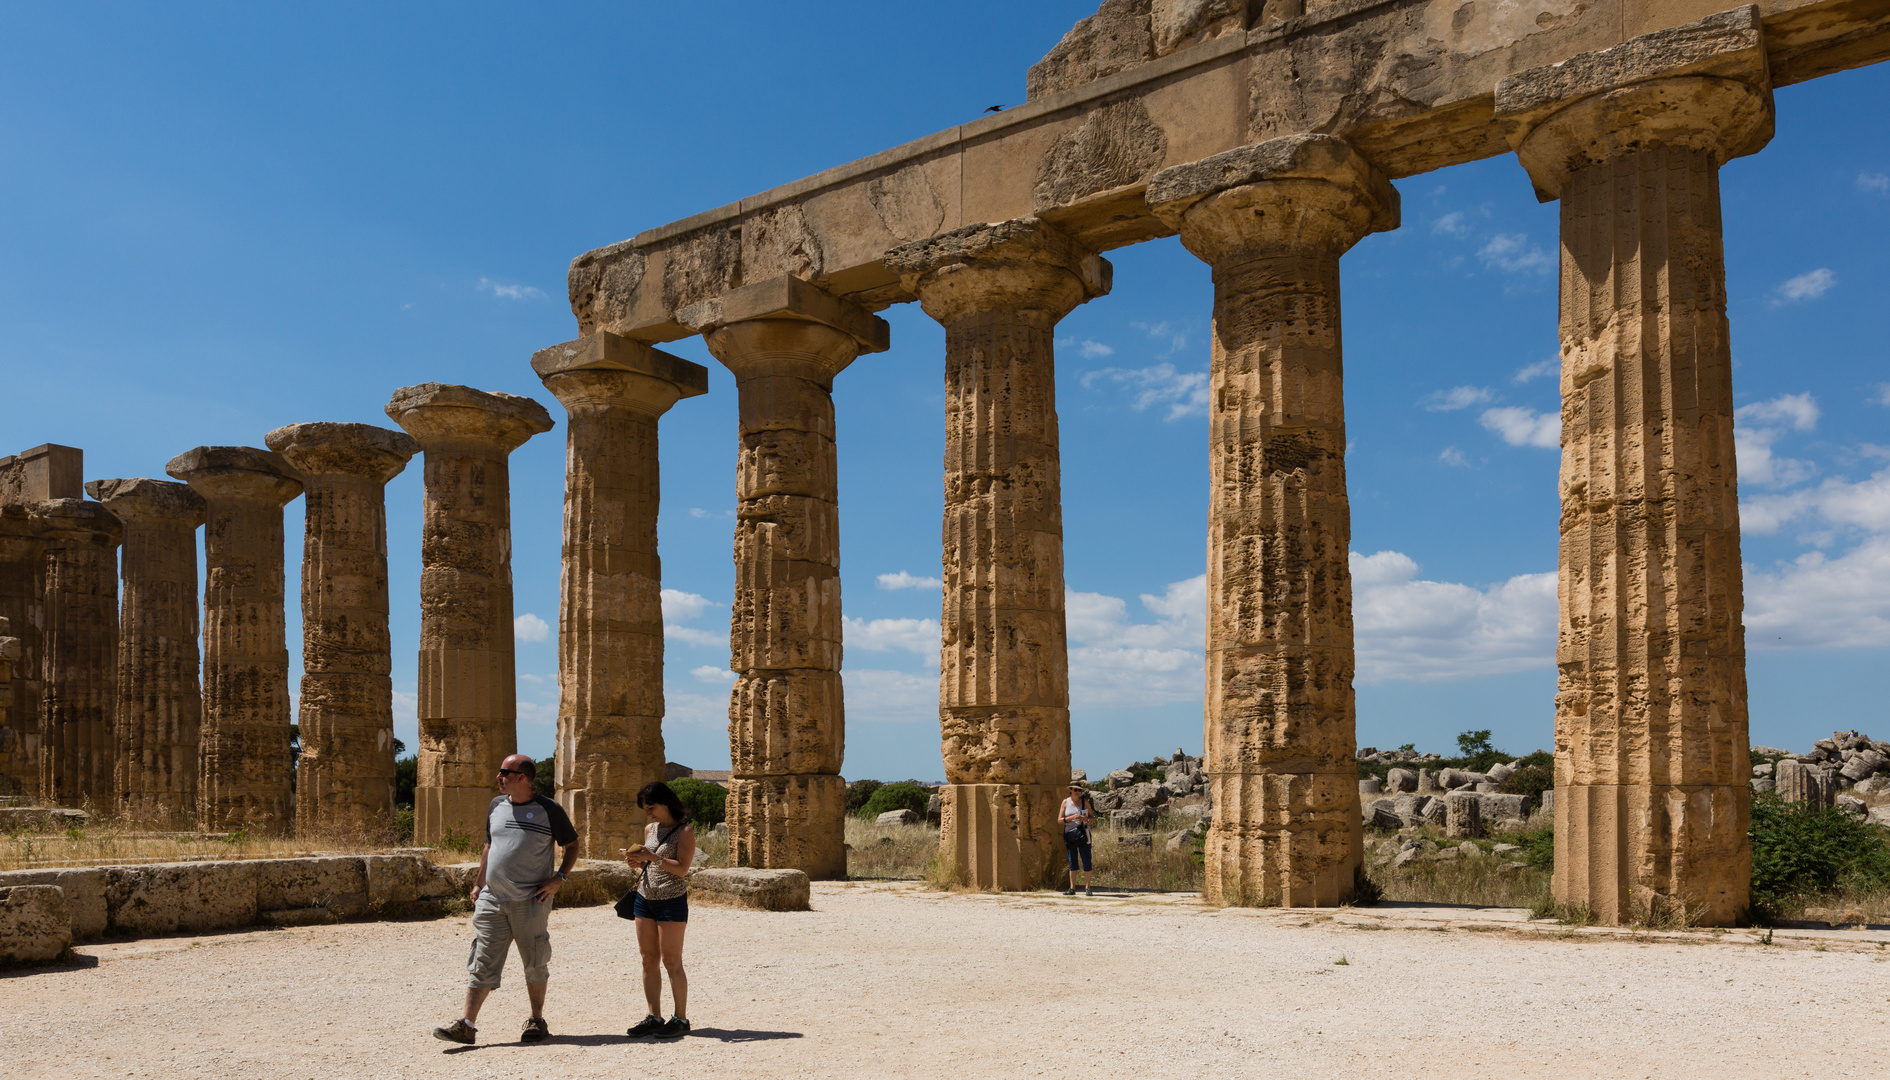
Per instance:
x=995, y=108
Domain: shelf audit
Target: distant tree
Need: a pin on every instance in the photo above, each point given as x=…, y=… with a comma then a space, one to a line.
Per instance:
x=707, y=803
x=545, y=780
x=858, y=792
x=903, y=795
x=406, y=778
x=1408, y=748
x=1473, y=743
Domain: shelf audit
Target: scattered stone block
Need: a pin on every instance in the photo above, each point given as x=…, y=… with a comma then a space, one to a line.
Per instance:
x=84, y=891
x=41, y=819
x=1504, y=849
x=1137, y=840
x=597, y=881
x=1383, y=814
x=337, y=883
x=174, y=898
x=1851, y=804
x=1469, y=850
x=1369, y=786
x=1401, y=780
x=760, y=890
x=1486, y=786
x=35, y=927
x=897, y=817
x=1501, y=772
x=1763, y=768
x=1431, y=811
x=1129, y=820
x=1495, y=807
x=1879, y=815
x=1464, y=815
x=1863, y=764
x=395, y=881
x=1120, y=779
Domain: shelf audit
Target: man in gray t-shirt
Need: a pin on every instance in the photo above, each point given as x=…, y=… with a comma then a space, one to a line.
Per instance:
x=512, y=896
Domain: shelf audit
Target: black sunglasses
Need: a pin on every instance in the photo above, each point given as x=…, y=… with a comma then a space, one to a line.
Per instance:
x=513, y=772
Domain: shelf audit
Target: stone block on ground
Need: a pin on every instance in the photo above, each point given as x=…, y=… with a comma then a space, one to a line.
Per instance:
x=1120, y=779
x=1427, y=782
x=1406, y=807
x=1139, y=818
x=1463, y=813
x=1851, y=804
x=1401, y=780
x=1180, y=840
x=596, y=881
x=761, y=890
x=1507, y=809
x=1501, y=772
x=35, y=927
x=336, y=883
x=395, y=881
x=41, y=819
x=1137, y=840
x=1383, y=814
x=1865, y=764
x=84, y=889
x=1370, y=786
x=897, y=817
x=1431, y=811
x=174, y=898
x=1879, y=815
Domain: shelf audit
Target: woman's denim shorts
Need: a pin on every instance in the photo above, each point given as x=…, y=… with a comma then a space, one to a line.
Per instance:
x=675, y=909
x=1078, y=849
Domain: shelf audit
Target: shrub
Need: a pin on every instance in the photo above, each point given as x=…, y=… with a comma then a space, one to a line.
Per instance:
x=1538, y=847
x=1797, y=851
x=1531, y=780
x=904, y=795
x=406, y=778
x=545, y=779
x=707, y=803
x=403, y=825
x=858, y=792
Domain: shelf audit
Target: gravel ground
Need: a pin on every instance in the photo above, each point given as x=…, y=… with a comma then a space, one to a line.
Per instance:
x=891, y=981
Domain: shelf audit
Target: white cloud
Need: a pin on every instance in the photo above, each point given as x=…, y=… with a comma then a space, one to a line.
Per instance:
x=1818, y=601
x=407, y=704
x=1093, y=350
x=510, y=292
x=1453, y=456
x=1807, y=286
x=1116, y=662
x=538, y=712
x=679, y=606
x=1758, y=425
x=1798, y=410
x=1861, y=505
x=916, y=636
x=529, y=627
x=1520, y=426
x=1176, y=338
x=1408, y=628
x=714, y=676
x=1451, y=224
x=689, y=635
x=1874, y=181
x=1184, y=392
x=1457, y=397
x=890, y=697
x=1883, y=394
x=1538, y=370
x=903, y=580
x=698, y=512
x=702, y=710
x=1514, y=253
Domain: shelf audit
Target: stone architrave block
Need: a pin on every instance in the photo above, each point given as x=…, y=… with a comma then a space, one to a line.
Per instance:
x=171, y=898
x=596, y=881
x=1401, y=780
x=1431, y=811
x=35, y=927
x=897, y=817
x=84, y=891
x=1464, y=815
x=1501, y=771
x=1408, y=810
x=1497, y=807
x=337, y=884
x=1864, y=765
x=394, y=880
x=1383, y=814
x=760, y=890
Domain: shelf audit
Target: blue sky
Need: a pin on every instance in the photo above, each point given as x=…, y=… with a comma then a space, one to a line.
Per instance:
x=225, y=218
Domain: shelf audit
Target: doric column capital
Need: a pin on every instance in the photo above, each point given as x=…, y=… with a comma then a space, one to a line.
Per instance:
x=236, y=473
x=602, y=371
x=330, y=449
x=784, y=326
x=1702, y=86
x=148, y=502
x=1020, y=265
x=78, y=520
x=448, y=417
x=1295, y=194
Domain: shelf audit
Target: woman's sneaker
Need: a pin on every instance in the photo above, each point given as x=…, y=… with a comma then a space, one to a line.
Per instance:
x=675, y=1029
x=651, y=1025
x=459, y=1031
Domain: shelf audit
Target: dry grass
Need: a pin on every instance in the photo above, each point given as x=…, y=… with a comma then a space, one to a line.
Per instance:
x=1480, y=881
x=910, y=853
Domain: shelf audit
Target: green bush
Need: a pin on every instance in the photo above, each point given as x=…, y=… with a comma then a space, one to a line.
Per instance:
x=403, y=824
x=1798, y=851
x=1538, y=847
x=406, y=778
x=707, y=803
x=1531, y=780
x=904, y=795
x=858, y=792
x=545, y=780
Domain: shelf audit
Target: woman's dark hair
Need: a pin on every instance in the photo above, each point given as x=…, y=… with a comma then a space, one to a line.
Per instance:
x=658, y=792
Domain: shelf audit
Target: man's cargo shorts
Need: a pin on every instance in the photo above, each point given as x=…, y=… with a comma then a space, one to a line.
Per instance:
x=496, y=925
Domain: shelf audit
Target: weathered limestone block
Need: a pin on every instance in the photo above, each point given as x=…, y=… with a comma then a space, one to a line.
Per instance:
x=22, y=558
x=1797, y=782
x=35, y=926
x=596, y=881
x=396, y=882
x=760, y=890
x=785, y=340
x=160, y=704
x=468, y=685
x=1651, y=734
x=1427, y=782
x=1464, y=817
x=1401, y=780
x=1272, y=220
x=610, y=613
x=245, y=766
x=337, y=884
x=345, y=775
x=999, y=290
x=45, y=472
x=79, y=653
x=997, y=834
x=175, y=898
x=84, y=892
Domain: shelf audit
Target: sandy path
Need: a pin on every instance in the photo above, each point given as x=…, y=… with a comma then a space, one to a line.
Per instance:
x=885, y=982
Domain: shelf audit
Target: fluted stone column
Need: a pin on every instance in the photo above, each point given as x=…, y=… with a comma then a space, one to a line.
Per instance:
x=345, y=775
x=468, y=675
x=1651, y=762
x=785, y=341
x=1004, y=688
x=1272, y=220
x=160, y=703
x=610, y=614
x=22, y=557
x=79, y=653
x=245, y=768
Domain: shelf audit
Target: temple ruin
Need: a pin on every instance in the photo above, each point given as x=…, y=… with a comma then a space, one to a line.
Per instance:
x=1266, y=135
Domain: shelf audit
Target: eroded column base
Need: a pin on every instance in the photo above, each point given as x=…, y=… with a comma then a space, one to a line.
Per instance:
x=1283, y=840
x=789, y=823
x=1000, y=836
x=1654, y=853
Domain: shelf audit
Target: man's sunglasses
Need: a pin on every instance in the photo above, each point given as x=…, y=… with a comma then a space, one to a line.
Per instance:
x=513, y=772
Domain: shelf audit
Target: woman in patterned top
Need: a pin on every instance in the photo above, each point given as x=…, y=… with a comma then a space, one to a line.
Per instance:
x=661, y=907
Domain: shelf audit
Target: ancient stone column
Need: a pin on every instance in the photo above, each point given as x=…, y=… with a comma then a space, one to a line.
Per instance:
x=160, y=704
x=1004, y=688
x=1272, y=220
x=345, y=775
x=79, y=653
x=610, y=615
x=1651, y=741
x=468, y=679
x=22, y=554
x=245, y=767
x=785, y=341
